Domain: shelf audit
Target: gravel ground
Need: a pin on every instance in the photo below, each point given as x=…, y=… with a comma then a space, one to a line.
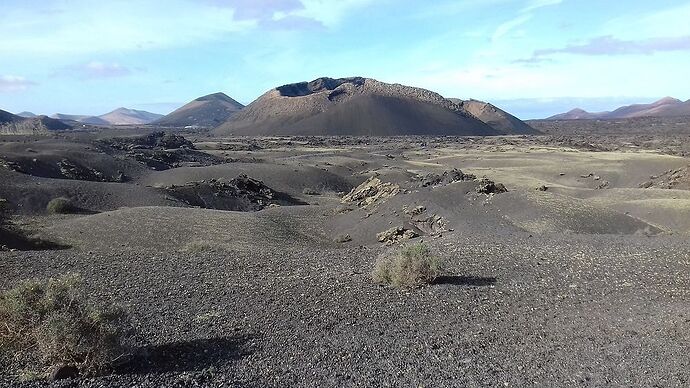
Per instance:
x=552, y=310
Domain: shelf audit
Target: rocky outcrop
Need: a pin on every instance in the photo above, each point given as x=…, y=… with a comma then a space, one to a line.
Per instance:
x=395, y=234
x=371, y=192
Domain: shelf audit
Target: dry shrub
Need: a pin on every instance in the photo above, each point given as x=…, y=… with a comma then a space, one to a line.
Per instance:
x=51, y=322
x=411, y=266
x=60, y=205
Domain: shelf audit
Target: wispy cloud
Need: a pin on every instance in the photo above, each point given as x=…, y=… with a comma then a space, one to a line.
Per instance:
x=524, y=15
x=609, y=45
x=258, y=9
x=509, y=26
x=13, y=83
x=536, y=4
x=96, y=69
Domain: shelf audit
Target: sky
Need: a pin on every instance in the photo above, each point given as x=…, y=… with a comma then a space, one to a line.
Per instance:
x=533, y=58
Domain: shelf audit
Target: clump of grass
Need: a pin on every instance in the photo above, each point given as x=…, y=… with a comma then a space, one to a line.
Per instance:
x=60, y=205
x=51, y=322
x=411, y=266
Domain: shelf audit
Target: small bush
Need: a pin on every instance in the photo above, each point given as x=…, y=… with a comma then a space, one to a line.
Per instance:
x=410, y=267
x=60, y=205
x=50, y=322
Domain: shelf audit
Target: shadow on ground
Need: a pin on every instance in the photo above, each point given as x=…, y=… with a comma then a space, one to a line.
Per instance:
x=476, y=281
x=188, y=356
x=16, y=239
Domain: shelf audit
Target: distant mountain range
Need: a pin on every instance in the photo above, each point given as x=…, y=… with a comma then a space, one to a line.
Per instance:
x=666, y=107
x=207, y=111
x=120, y=116
x=358, y=106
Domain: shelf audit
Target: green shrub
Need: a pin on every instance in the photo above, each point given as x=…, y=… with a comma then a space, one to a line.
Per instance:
x=410, y=267
x=60, y=205
x=50, y=322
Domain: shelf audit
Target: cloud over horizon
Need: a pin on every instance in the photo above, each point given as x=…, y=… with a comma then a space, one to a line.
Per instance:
x=13, y=83
x=610, y=45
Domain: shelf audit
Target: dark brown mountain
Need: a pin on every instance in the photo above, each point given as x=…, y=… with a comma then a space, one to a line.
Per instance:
x=206, y=111
x=495, y=117
x=353, y=106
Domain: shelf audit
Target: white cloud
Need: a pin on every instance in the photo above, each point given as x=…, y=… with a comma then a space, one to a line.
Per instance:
x=330, y=13
x=536, y=4
x=671, y=21
x=509, y=26
x=13, y=83
x=115, y=26
x=523, y=17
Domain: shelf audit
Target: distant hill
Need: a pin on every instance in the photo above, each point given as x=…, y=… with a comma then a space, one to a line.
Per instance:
x=27, y=114
x=666, y=107
x=16, y=125
x=207, y=111
x=120, y=116
x=495, y=117
x=65, y=117
x=124, y=116
x=353, y=106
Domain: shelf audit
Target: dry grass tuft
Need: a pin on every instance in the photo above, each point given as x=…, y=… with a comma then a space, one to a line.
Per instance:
x=410, y=267
x=51, y=322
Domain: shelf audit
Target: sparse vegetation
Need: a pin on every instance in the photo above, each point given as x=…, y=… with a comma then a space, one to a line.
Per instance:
x=50, y=322
x=410, y=267
x=60, y=205
x=310, y=191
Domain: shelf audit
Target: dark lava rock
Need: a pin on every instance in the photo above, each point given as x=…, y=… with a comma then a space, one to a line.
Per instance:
x=542, y=188
x=154, y=140
x=447, y=177
x=62, y=371
x=239, y=194
x=487, y=186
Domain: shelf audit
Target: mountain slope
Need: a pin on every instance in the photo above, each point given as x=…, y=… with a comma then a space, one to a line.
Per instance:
x=666, y=107
x=495, y=117
x=27, y=114
x=353, y=106
x=206, y=111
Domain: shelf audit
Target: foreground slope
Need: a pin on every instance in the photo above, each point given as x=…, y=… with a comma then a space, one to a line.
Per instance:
x=206, y=111
x=353, y=106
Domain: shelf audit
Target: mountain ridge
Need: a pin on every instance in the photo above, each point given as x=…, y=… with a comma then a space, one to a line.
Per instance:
x=664, y=107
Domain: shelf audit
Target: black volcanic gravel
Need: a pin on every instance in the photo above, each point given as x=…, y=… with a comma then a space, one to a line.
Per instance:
x=554, y=310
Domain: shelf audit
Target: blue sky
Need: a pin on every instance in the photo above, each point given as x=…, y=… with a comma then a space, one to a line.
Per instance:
x=532, y=57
